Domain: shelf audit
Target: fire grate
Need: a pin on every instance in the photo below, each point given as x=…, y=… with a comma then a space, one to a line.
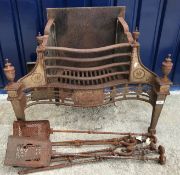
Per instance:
x=88, y=71
x=87, y=57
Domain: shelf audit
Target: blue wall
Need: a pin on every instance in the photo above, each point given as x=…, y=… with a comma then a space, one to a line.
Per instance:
x=157, y=20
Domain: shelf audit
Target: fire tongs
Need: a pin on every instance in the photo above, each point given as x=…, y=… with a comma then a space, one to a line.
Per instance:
x=32, y=148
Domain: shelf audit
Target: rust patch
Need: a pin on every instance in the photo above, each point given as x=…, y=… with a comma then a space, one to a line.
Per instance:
x=88, y=98
x=28, y=152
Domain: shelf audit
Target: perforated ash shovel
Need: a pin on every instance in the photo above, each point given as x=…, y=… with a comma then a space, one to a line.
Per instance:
x=28, y=152
x=34, y=129
x=41, y=129
x=37, y=152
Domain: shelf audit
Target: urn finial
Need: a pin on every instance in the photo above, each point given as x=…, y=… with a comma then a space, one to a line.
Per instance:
x=166, y=68
x=136, y=34
x=9, y=71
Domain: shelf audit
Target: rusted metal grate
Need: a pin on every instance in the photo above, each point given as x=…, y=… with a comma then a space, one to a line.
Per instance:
x=84, y=97
x=88, y=71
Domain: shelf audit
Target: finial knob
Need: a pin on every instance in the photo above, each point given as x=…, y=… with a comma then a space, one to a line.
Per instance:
x=166, y=67
x=9, y=71
x=136, y=34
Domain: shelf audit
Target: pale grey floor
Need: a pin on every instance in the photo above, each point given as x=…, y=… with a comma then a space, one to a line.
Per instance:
x=131, y=116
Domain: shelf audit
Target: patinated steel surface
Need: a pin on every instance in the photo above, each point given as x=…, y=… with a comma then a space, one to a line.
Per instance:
x=103, y=67
x=88, y=97
x=27, y=152
x=41, y=129
x=38, y=154
x=69, y=23
x=34, y=129
x=32, y=147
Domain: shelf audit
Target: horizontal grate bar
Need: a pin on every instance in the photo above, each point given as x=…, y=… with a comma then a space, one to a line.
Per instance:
x=93, y=50
x=89, y=68
x=79, y=87
x=90, y=78
x=85, y=60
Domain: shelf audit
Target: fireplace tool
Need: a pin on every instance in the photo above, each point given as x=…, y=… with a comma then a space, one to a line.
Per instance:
x=34, y=152
x=32, y=147
x=41, y=129
x=38, y=154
